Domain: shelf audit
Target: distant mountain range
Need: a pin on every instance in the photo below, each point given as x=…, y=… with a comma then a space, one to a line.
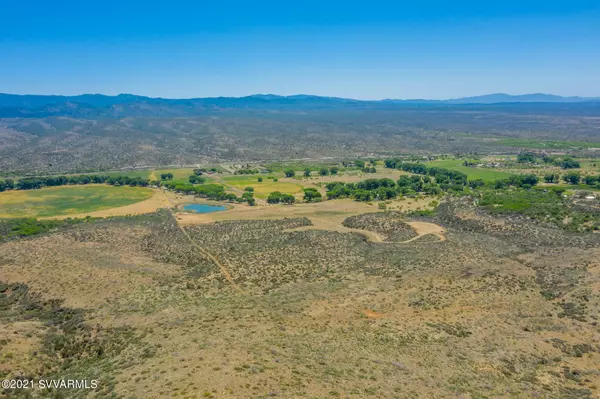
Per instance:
x=98, y=105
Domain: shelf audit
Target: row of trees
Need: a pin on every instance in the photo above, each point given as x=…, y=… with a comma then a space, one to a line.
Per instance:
x=310, y=195
x=386, y=189
x=574, y=178
x=32, y=183
x=370, y=189
x=215, y=192
x=277, y=197
x=532, y=157
x=196, y=179
x=210, y=191
x=441, y=175
x=382, y=189
x=323, y=171
x=247, y=172
x=7, y=184
x=522, y=181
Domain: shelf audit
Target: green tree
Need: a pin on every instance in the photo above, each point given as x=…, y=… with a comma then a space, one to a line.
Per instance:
x=307, y=172
x=260, y=179
x=249, y=189
x=323, y=171
x=572, y=177
x=196, y=179
x=274, y=197
x=526, y=157
x=287, y=199
x=551, y=178
x=247, y=196
x=231, y=197
x=289, y=173
x=312, y=195
x=568, y=163
x=334, y=170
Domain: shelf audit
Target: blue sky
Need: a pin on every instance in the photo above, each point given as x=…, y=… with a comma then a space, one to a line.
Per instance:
x=367, y=50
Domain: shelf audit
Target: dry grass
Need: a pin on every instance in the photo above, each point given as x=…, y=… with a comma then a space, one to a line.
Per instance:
x=323, y=313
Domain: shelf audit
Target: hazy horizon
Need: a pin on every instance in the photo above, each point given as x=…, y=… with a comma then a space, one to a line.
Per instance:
x=296, y=94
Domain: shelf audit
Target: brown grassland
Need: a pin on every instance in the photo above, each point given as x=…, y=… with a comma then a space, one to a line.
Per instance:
x=324, y=300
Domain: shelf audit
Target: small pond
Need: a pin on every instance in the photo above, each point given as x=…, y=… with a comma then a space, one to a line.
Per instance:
x=203, y=208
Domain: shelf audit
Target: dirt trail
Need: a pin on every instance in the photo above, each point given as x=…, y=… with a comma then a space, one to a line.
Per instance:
x=203, y=251
x=425, y=228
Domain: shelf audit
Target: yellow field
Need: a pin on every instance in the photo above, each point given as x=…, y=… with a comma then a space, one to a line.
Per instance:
x=266, y=187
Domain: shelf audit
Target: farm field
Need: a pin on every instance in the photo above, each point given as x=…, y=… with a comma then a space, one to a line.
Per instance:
x=266, y=187
x=66, y=200
x=178, y=174
x=486, y=174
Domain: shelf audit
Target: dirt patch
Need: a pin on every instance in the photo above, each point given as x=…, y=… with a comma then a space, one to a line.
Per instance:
x=321, y=224
x=330, y=211
x=424, y=228
x=371, y=314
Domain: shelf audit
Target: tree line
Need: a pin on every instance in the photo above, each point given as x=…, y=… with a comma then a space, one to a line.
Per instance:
x=211, y=191
x=573, y=178
x=310, y=195
x=33, y=183
x=532, y=157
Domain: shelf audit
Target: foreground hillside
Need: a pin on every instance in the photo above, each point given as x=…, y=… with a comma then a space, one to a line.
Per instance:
x=481, y=306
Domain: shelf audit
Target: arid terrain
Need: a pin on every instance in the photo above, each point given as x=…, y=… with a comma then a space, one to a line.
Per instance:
x=40, y=135
x=420, y=275
x=334, y=299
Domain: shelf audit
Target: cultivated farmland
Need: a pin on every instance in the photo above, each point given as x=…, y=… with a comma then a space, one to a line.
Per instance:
x=66, y=200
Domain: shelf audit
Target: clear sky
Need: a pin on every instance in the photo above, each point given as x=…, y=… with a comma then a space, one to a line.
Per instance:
x=367, y=49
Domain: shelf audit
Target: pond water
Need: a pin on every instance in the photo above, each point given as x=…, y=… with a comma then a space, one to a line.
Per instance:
x=203, y=208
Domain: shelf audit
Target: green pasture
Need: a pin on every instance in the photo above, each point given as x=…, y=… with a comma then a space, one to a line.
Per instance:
x=65, y=200
x=485, y=174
